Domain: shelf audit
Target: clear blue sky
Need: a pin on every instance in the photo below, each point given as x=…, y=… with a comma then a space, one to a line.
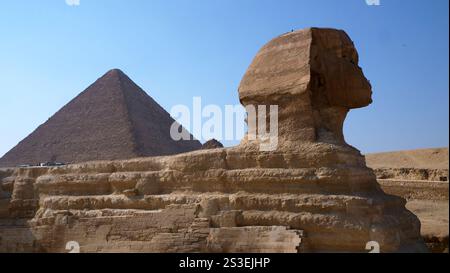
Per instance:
x=50, y=52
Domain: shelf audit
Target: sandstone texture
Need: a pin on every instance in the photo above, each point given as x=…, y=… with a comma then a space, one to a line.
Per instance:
x=435, y=158
x=421, y=177
x=433, y=215
x=112, y=119
x=412, y=174
x=314, y=193
x=429, y=201
x=423, y=164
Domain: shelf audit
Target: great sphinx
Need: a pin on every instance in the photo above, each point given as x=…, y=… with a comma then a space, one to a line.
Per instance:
x=313, y=193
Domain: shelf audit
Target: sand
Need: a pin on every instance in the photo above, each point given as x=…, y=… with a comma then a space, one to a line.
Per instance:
x=436, y=158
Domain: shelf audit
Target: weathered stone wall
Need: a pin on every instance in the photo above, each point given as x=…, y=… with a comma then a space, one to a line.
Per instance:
x=412, y=174
x=169, y=204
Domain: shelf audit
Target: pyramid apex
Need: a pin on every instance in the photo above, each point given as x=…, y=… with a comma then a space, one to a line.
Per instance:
x=115, y=72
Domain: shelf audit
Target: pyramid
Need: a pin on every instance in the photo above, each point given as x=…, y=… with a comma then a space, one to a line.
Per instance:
x=112, y=119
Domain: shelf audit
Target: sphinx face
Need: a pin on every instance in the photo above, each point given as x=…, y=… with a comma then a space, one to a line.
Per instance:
x=313, y=77
x=321, y=61
x=335, y=73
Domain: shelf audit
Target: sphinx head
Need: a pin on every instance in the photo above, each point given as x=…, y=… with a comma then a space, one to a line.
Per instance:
x=314, y=78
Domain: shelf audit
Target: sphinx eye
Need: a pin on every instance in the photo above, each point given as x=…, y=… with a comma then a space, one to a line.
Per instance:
x=350, y=59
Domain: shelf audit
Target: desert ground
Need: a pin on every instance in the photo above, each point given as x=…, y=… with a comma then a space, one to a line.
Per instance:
x=421, y=177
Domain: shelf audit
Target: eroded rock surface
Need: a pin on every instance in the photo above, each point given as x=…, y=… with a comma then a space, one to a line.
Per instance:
x=314, y=193
x=412, y=174
x=212, y=144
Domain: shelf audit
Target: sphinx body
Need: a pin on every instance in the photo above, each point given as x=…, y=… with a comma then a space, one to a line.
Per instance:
x=313, y=193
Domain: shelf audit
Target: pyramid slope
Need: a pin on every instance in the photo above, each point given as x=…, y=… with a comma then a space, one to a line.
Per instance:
x=152, y=138
x=112, y=119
